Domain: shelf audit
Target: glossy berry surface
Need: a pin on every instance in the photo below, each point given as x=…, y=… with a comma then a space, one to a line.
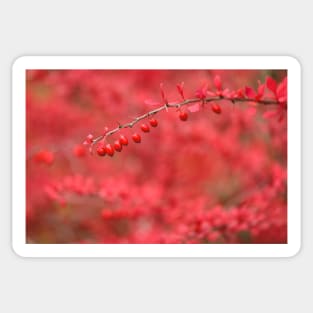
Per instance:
x=145, y=128
x=216, y=108
x=101, y=151
x=109, y=149
x=153, y=122
x=123, y=140
x=117, y=146
x=136, y=138
x=183, y=116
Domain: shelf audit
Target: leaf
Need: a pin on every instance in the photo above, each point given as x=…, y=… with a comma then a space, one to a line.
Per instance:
x=211, y=93
x=202, y=92
x=281, y=92
x=194, y=108
x=226, y=92
x=271, y=84
x=151, y=102
x=270, y=114
x=261, y=89
x=163, y=93
x=180, y=88
x=250, y=93
x=217, y=82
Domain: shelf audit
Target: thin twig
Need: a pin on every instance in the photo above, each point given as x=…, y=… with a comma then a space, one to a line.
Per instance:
x=178, y=105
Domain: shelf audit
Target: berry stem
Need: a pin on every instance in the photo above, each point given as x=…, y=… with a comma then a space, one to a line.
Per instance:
x=177, y=106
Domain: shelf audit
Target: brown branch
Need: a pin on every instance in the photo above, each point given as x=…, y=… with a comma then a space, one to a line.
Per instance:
x=178, y=105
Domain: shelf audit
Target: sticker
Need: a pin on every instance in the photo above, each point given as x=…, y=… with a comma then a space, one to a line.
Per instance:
x=147, y=156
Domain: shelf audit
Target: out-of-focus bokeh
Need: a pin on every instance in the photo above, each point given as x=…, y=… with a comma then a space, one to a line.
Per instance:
x=215, y=178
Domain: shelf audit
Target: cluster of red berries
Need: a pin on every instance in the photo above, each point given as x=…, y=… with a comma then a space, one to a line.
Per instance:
x=109, y=149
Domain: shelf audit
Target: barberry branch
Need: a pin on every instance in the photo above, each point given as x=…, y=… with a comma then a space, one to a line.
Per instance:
x=178, y=106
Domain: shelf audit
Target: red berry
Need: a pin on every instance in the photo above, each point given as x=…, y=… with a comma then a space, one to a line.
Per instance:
x=183, y=116
x=101, y=150
x=218, y=82
x=109, y=149
x=44, y=156
x=137, y=138
x=180, y=88
x=106, y=214
x=79, y=151
x=153, y=122
x=123, y=140
x=216, y=108
x=145, y=128
x=117, y=146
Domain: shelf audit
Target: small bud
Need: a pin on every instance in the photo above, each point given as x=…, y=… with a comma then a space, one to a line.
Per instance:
x=105, y=130
x=89, y=139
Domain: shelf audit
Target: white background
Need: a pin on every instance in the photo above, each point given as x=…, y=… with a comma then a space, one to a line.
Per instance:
x=168, y=28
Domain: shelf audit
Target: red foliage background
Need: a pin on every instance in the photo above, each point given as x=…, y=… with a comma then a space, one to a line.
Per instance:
x=215, y=178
